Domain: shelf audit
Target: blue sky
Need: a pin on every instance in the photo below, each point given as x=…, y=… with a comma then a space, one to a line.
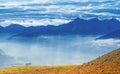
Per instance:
x=55, y=12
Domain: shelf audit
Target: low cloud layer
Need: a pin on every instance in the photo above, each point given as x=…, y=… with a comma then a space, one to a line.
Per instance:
x=58, y=50
x=5, y=60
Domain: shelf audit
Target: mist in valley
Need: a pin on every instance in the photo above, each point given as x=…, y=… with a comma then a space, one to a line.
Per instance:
x=54, y=50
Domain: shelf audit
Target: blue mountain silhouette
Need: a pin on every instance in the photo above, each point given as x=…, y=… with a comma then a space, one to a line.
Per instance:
x=12, y=29
x=77, y=26
x=114, y=34
x=15, y=28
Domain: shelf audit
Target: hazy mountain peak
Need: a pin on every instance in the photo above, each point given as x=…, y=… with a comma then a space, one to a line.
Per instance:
x=14, y=26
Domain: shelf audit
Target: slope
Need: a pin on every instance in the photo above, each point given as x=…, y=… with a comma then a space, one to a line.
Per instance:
x=106, y=64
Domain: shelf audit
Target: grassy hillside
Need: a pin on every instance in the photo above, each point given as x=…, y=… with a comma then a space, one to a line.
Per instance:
x=106, y=64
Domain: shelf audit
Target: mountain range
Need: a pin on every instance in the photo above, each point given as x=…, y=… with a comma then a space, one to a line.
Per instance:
x=12, y=29
x=77, y=26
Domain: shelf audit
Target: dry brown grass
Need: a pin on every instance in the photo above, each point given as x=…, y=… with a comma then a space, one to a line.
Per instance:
x=106, y=64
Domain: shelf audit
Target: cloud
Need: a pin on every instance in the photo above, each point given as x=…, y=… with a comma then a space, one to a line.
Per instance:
x=102, y=44
x=57, y=9
x=54, y=50
x=5, y=60
x=33, y=22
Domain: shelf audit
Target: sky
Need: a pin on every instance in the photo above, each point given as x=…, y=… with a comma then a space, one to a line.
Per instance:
x=55, y=12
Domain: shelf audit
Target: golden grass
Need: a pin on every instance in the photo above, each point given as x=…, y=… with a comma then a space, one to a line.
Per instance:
x=37, y=70
x=106, y=64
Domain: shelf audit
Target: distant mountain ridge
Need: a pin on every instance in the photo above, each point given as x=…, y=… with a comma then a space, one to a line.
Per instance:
x=77, y=26
x=114, y=34
x=12, y=29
